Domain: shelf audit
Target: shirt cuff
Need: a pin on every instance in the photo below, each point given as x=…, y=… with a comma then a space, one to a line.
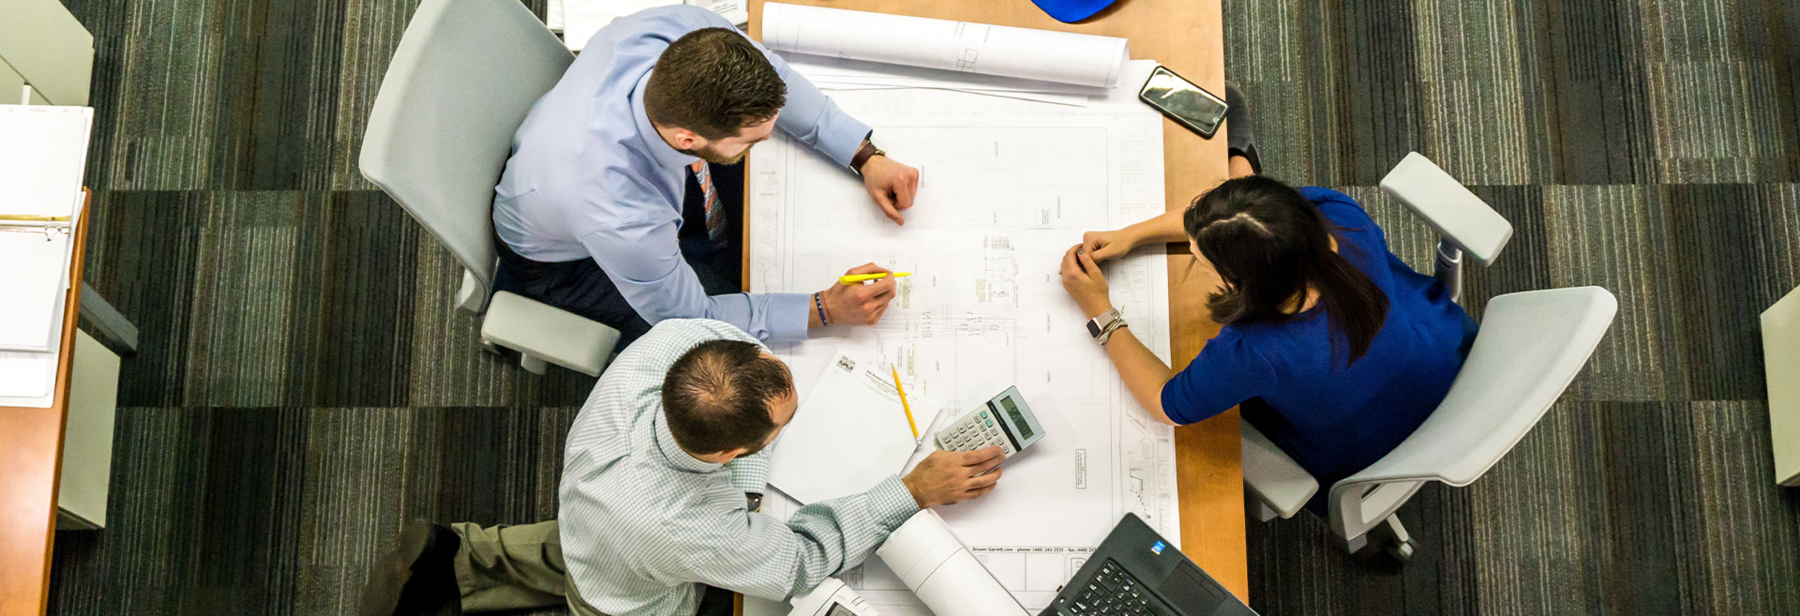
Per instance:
x=841, y=136
x=788, y=313
x=750, y=473
x=891, y=503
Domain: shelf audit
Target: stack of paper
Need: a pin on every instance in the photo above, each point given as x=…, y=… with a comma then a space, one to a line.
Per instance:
x=849, y=434
x=41, y=169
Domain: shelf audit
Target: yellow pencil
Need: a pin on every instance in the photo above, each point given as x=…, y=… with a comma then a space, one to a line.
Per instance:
x=857, y=278
x=903, y=405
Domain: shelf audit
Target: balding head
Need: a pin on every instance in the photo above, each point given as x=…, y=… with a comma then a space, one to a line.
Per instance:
x=723, y=396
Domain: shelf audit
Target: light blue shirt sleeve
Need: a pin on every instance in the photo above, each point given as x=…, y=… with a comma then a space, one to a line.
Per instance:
x=645, y=263
x=814, y=119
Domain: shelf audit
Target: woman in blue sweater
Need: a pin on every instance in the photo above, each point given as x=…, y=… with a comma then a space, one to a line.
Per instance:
x=1335, y=349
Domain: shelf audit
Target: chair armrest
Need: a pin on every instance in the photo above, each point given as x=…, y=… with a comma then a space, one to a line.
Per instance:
x=547, y=333
x=1445, y=204
x=1273, y=477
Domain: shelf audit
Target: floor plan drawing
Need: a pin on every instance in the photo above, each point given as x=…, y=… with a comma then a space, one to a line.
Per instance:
x=1000, y=201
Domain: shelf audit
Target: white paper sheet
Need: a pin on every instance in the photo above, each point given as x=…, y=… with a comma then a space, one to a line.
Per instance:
x=836, y=74
x=36, y=264
x=28, y=378
x=43, y=153
x=1008, y=185
x=849, y=433
x=580, y=19
x=1024, y=53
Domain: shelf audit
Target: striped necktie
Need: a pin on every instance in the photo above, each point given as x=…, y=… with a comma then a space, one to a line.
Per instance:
x=715, y=224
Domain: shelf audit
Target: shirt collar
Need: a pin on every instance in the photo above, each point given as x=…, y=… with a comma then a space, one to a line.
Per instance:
x=664, y=154
x=672, y=453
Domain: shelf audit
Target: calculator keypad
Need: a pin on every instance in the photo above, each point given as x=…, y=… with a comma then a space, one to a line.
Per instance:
x=975, y=431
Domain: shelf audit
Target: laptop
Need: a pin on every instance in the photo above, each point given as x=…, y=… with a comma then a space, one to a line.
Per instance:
x=1135, y=572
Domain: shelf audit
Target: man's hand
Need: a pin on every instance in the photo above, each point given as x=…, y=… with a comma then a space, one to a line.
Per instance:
x=858, y=304
x=949, y=477
x=891, y=184
x=1084, y=281
x=1103, y=245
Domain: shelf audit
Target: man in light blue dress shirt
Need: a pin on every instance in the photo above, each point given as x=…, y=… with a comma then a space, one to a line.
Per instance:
x=653, y=517
x=622, y=200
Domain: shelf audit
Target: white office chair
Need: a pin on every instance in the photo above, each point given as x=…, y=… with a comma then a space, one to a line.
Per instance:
x=462, y=79
x=1531, y=345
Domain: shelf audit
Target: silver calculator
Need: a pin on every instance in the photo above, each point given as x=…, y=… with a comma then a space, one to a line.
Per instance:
x=1005, y=422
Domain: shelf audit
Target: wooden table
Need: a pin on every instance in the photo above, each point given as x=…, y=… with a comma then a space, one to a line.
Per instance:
x=1184, y=35
x=31, y=456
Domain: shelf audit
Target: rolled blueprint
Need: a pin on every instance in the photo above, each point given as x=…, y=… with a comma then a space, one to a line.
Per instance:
x=1081, y=59
x=945, y=576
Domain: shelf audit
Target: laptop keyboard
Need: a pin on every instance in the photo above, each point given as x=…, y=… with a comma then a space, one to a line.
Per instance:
x=1112, y=592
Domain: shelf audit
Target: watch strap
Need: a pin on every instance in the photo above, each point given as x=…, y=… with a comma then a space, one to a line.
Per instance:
x=1106, y=334
x=863, y=155
x=1099, y=325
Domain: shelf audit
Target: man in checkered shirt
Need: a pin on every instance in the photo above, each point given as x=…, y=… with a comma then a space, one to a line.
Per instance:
x=662, y=475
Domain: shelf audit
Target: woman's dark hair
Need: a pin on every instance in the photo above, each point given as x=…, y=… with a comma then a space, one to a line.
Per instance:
x=1269, y=243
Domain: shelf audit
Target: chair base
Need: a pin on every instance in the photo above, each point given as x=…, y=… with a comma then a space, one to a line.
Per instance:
x=1390, y=535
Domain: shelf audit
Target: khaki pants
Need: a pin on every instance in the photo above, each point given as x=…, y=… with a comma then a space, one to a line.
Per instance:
x=521, y=567
x=514, y=567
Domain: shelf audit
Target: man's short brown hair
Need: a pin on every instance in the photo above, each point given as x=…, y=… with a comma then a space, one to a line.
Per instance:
x=713, y=81
x=718, y=396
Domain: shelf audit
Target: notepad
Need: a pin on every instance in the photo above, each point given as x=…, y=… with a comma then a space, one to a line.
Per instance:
x=849, y=434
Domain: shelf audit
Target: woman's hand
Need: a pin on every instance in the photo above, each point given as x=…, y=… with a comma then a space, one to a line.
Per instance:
x=1103, y=245
x=1082, y=278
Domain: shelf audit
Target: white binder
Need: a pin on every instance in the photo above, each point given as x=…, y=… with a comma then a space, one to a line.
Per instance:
x=43, y=154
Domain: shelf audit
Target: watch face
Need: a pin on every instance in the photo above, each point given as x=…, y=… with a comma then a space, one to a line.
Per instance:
x=1093, y=328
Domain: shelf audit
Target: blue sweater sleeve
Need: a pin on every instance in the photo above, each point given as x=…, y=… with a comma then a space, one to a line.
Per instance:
x=1227, y=372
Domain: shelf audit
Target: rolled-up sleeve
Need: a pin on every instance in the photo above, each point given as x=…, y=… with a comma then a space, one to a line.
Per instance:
x=644, y=261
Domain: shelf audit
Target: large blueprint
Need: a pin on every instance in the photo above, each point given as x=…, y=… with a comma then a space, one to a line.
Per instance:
x=1002, y=196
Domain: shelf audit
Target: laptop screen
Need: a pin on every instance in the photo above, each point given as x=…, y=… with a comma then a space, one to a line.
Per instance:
x=1191, y=591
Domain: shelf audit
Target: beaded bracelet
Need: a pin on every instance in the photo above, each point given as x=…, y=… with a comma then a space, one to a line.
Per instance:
x=819, y=303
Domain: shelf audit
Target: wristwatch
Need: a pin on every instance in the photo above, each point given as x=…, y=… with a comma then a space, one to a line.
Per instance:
x=753, y=501
x=1102, y=327
x=863, y=155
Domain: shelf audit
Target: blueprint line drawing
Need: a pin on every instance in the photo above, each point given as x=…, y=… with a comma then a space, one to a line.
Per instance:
x=1000, y=200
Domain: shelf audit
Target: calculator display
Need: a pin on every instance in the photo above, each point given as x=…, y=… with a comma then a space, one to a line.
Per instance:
x=838, y=609
x=1018, y=420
